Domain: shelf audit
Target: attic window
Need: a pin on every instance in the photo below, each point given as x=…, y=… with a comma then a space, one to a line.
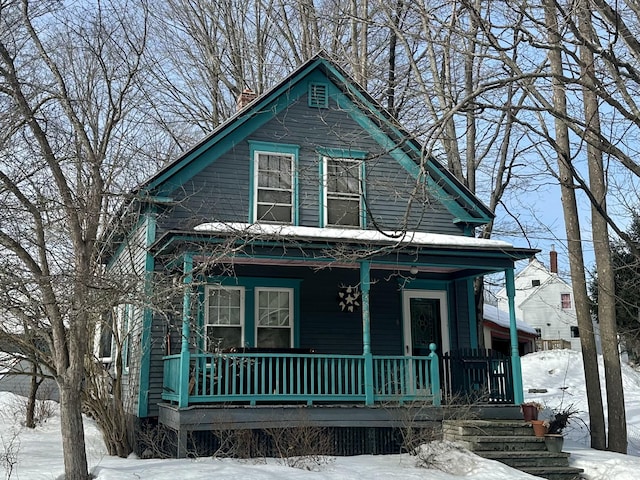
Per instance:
x=535, y=283
x=318, y=95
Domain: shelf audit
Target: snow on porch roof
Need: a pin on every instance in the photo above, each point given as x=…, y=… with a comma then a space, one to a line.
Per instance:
x=354, y=235
x=501, y=318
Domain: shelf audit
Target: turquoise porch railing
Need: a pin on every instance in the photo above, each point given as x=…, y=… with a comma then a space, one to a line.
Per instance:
x=256, y=377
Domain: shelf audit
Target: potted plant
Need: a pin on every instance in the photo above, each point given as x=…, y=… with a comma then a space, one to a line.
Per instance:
x=539, y=428
x=554, y=438
x=530, y=410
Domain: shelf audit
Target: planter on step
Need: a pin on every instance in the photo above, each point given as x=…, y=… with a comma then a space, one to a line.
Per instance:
x=554, y=442
x=539, y=428
x=530, y=411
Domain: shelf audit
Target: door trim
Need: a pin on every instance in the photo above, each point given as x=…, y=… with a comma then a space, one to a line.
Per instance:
x=441, y=295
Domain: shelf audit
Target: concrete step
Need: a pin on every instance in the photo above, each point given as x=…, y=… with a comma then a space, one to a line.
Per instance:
x=517, y=443
x=484, y=427
x=554, y=473
x=528, y=459
x=511, y=442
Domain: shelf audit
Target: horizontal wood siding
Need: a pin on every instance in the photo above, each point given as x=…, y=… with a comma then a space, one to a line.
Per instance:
x=461, y=321
x=220, y=192
x=127, y=267
x=324, y=326
x=386, y=314
x=166, y=329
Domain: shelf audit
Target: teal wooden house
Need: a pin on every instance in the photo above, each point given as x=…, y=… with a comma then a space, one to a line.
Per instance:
x=305, y=259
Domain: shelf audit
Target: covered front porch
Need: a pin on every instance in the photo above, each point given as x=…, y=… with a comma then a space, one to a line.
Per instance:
x=415, y=309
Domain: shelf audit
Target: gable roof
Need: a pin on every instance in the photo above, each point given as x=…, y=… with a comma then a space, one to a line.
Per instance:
x=501, y=318
x=534, y=266
x=463, y=205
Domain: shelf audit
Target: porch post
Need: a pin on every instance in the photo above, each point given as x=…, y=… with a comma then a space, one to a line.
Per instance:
x=365, y=284
x=185, y=357
x=518, y=391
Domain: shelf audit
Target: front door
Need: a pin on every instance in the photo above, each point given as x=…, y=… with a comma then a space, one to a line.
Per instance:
x=425, y=322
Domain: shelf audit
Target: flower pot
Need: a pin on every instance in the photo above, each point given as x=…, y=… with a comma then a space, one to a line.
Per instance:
x=530, y=412
x=539, y=429
x=554, y=442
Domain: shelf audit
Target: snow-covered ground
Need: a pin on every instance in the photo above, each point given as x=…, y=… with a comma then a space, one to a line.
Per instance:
x=37, y=454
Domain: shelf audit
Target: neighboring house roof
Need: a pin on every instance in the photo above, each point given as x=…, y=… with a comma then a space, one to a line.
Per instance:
x=501, y=318
x=7, y=362
x=462, y=203
x=535, y=268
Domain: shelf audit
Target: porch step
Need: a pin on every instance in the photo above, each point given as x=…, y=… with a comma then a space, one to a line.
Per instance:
x=508, y=428
x=555, y=473
x=528, y=459
x=513, y=443
x=492, y=443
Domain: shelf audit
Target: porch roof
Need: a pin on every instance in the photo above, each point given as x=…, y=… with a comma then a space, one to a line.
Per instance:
x=455, y=255
x=350, y=235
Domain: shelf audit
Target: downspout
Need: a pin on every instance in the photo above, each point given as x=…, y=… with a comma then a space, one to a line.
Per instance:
x=185, y=356
x=365, y=286
x=516, y=368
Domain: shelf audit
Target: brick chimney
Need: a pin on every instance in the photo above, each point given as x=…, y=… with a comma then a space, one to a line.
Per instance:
x=245, y=98
x=553, y=259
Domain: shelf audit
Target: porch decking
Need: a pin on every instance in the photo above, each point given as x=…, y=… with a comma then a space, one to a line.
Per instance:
x=291, y=377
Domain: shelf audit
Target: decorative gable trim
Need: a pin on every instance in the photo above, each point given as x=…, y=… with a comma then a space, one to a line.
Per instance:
x=319, y=71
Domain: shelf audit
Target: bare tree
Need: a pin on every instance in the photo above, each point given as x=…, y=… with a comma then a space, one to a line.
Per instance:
x=617, y=438
x=574, y=239
x=68, y=86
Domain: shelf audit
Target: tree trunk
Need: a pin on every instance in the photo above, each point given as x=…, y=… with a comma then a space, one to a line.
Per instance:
x=73, y=447
x=30, y=421
x=617, y=434
x=574, y=240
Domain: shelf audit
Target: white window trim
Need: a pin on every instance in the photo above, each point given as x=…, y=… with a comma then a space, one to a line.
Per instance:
x=208, y=289
x=256, y=187
x=325, y=191
x=122, y=325
x=441, y=296
x=97, y=340
x=291, y=311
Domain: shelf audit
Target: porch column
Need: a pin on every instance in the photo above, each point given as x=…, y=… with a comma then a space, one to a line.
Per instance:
x=185, y=357
x=518, y=392
x=365, y=284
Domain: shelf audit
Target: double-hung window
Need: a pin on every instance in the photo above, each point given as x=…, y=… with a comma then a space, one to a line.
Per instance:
x=248, y=314
x=224, y=327
x=274, y=316
x=104, y=338
x=114, y=335
x=273, y=182
x=342, y=192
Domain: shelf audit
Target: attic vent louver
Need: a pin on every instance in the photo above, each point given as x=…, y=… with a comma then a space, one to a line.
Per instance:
x=318, y=95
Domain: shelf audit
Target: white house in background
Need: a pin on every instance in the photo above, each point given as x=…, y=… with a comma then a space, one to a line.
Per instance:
x=495, y=328
x=545, y=302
